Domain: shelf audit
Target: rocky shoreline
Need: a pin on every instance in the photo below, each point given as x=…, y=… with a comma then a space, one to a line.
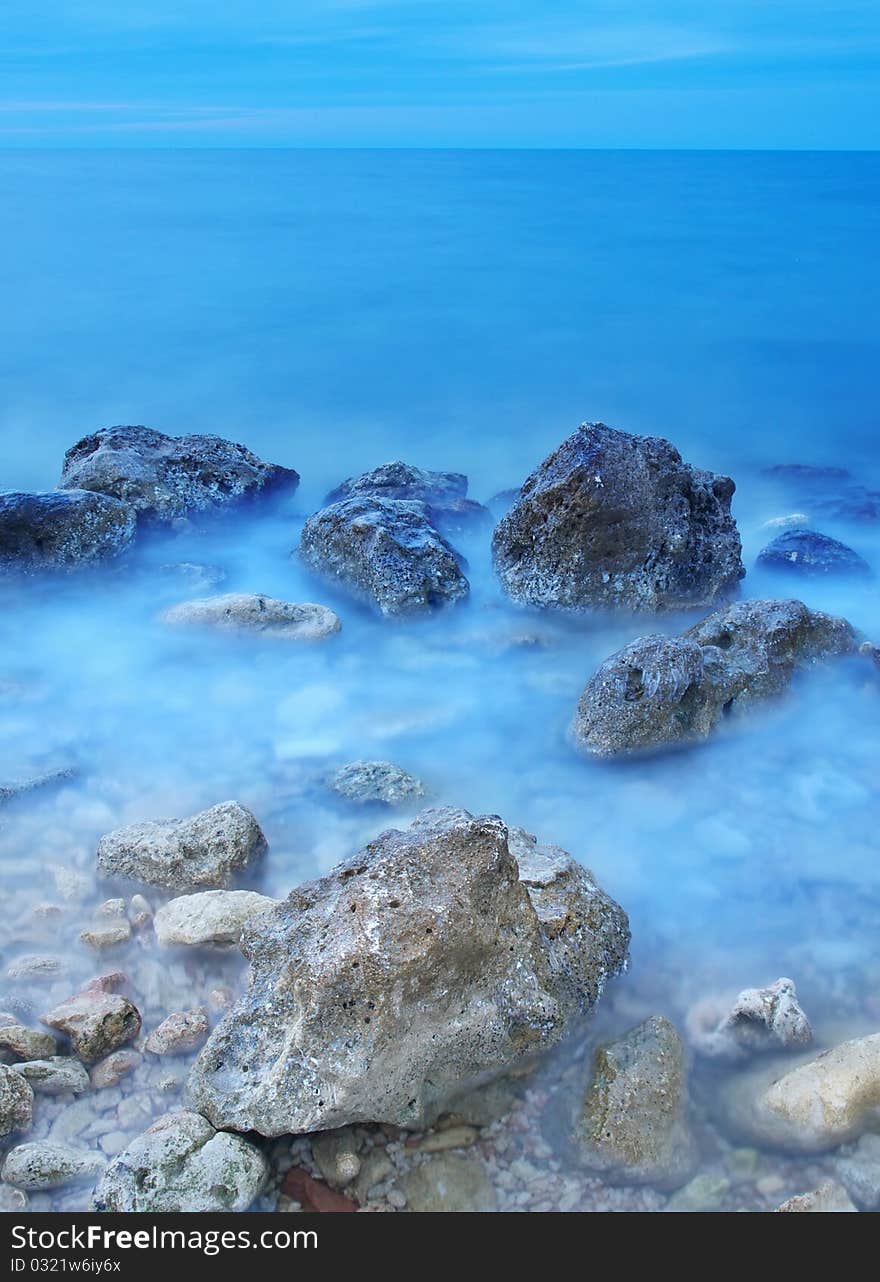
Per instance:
x=426, y=1025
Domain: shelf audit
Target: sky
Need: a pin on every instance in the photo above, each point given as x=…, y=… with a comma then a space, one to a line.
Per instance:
x=440, y=73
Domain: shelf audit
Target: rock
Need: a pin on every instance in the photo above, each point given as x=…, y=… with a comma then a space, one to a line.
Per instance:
x=61, y=531
x=140, y=912
x=758, y=1020
x=166, y=477
x=18, y=1042
x=817, y=1106
x=111, y=926
x=16, y=1102
x=97, y=1021
x=312, y=1195
x=184, y=854
x=252, y=612
x=210, y=917
x=34, y=966
x=450, y=1182
x=377, y=781
x=110, y=1071
x=385, y=551
x=451, y=1138
x=12, y=1199
x=808, y=553
x=705, y=1192
x=336, y=1156
x=39, y=783
x=791, y=521
x=660, y=691
x=56, y=1075
x=182, y=1164
x=381, y=990
x=859, y=1171
x=616, y=521
x=47, y=1165
x=181, y=1032
x=632, y=1126
x=196, y=576
x=443, y=493
x=375, y=1168
x=827, y=1197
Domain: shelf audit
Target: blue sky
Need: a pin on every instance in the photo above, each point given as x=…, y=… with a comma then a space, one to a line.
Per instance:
x=611, y=73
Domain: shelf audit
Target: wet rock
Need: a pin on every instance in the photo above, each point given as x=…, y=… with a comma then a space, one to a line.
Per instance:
x=110, y=1071
x=377, y=781
x=810, y=554
x=383, y=989
x=758, y=1020
x=185, y=854
x=16, y=1102
x=165, y=477
x=829, y=1196
x=57, y=1075
x=210, y=917
x=817, y=1106
x=110, y=928
x=611, y=520
x=182, y=1032
x=96, y=1019
x=859, y=1171
x=182, y=1164
x=632, y=1127
x=661, y=691
x=443, y=493
x=47, y=1165
x=253, y=612
x=385, y=551
x=61, y=530
x=337, y=1157
x=450, y=1182
x=18, y=1042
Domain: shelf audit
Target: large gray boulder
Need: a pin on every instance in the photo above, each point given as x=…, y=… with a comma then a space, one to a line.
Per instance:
x=427, y=963
x=183, y=1164
x=204, y=850
x=632, y=1125
x=660, y=691
x=616, y=521
x=166, y=477
x=444, y=493
x=61, y=530
x=387, y=552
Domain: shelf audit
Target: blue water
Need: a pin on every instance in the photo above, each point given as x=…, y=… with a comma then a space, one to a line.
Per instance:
x=465, y=311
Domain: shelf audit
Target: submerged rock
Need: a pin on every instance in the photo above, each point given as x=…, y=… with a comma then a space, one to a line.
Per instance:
x=181, y=1032
x=182, y=1164
x=207, y=849
x=166, y=477
x=45, y=1164
x=829, y=1196
x=252, y=612
x=611, y=520
x=111, y=926
x=337, y=1157
x=659, y=691
x=632, y=1126
x=376, y=781
x=97, y=1020
x=211, y=917
x=450, y=1182
x=808, y=553
x=386, y=551
x=859, y=1171
x=758, y=1020
x=16, y=1102
x=51, y=779
x=56, y=1075
x=61, y=530
x=421, y=966
x=816, y=1106
x=19, y=1042
x=443, y=493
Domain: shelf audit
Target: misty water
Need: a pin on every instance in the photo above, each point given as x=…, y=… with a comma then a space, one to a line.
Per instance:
x=460, y=311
